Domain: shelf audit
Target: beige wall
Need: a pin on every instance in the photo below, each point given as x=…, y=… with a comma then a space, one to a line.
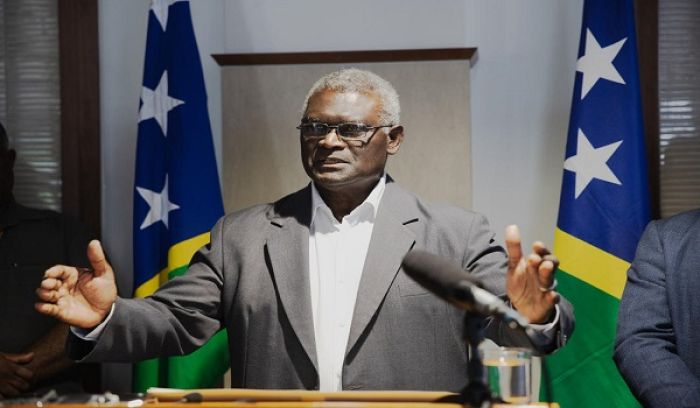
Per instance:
x=262, y=106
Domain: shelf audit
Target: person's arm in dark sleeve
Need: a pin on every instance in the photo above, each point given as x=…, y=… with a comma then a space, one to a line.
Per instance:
x=645, y=347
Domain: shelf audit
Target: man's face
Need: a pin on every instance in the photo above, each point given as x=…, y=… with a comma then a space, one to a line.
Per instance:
x=335, y=164
x=7, y=162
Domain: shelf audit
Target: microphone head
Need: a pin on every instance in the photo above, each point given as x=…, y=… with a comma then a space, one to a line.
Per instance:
x=449, y=282
x=440, y=276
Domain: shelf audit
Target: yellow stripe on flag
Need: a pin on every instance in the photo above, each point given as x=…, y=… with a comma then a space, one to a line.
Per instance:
x=590, y=264
x=179, y=255
x=150, y=286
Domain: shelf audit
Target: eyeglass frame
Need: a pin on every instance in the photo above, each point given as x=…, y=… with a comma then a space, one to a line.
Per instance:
x=364, y=138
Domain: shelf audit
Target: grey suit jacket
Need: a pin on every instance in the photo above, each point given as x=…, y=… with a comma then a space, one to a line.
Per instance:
x=253, y=280
x=658, y=333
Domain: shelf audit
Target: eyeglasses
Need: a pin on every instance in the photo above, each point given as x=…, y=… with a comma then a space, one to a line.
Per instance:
x=346, y=131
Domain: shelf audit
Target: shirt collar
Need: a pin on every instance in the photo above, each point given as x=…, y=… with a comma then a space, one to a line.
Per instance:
x=371, y=203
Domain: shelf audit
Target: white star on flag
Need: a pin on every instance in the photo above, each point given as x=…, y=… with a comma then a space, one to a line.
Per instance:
x=160, y=10
x=590, y=162
x=159, y=203
x=156, y=103
x=597, y=62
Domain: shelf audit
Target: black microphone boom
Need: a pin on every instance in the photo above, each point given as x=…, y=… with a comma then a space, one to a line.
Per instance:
x=449, y=282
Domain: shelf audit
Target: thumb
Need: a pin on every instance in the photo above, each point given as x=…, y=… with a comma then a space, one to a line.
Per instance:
x=97, y=258
x=20, y=358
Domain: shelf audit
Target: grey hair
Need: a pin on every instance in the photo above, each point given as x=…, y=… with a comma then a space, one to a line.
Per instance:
x=361, y=81
x=4, y=142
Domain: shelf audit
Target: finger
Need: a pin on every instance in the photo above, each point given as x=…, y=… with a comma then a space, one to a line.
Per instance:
x=554, y=260
x=48, y=309
x=533, y=263
x=513, y=246
x=60, y=272
x=546, y=273
x=50, y=296
x=23, y=358
x=51, y=284
x=540, y=249
x=534, y=260
x=24, y=373
x=97, y=258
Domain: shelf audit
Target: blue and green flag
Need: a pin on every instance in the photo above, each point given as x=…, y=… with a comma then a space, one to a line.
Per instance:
x=177, y=198
x=604, y=204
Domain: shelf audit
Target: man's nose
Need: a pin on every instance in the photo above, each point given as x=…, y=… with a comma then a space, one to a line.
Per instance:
x=332, y=139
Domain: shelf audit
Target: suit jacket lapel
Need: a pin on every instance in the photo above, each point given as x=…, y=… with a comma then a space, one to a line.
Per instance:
x=288, y=248
x=390, y=242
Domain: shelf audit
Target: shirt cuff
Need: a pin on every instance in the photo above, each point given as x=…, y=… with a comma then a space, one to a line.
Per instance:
x=544, y=334
x=93, y=334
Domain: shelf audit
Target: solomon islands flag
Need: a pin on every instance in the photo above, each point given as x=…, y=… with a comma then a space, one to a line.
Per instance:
x=604, y=204
x=177, y=198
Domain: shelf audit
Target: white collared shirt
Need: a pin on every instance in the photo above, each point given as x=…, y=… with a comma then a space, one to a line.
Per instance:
x=337, y=252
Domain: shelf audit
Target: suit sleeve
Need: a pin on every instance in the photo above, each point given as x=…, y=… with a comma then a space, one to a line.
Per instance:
x=645, y=349
x=180, y=317
x=487, y=261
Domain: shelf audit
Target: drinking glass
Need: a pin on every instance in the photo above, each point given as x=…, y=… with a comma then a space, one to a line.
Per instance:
x=508, y=373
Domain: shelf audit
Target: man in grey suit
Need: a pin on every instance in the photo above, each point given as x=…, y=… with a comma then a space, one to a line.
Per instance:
x=658, y=332
x=310, y=287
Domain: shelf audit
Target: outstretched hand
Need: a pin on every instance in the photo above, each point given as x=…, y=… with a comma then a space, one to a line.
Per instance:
x=78, y=296
x=530, y=282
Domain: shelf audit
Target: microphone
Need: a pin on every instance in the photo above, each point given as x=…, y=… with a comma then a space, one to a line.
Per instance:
x=449, y=282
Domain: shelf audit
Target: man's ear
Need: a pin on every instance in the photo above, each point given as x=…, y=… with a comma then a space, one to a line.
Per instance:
x=395, y=139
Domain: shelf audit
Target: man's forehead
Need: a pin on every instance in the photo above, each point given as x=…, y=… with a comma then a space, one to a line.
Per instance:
x=343, y=100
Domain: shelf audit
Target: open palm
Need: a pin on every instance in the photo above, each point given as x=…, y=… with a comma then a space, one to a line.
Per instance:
x=78, y=296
